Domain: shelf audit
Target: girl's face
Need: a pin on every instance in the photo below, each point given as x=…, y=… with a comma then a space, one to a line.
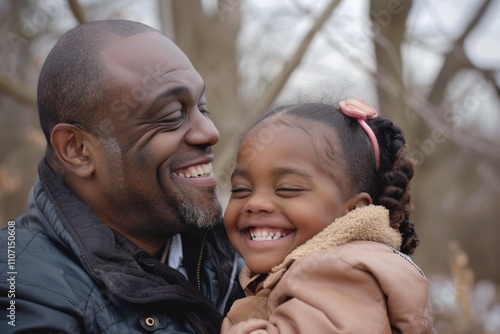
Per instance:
x=280, y=198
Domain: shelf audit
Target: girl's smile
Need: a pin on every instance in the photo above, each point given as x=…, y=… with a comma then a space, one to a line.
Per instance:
x=282, y=199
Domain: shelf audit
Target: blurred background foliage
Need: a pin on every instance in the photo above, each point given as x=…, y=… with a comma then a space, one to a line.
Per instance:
x=432, y=66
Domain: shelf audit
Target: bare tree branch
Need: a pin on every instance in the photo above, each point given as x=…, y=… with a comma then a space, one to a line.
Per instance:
x=277, y=84
x=389, y=36
x=78, y=11
x=496, y=86
x=489, y=76
x=489, y=174
x=475, y=20
x=18, y=92
x=455, y=59
x=482, y=148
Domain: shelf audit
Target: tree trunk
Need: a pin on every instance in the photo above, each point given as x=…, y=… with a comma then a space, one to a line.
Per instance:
x=445, y=176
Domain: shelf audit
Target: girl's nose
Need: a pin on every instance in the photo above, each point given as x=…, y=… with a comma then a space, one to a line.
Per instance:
x=259, y=203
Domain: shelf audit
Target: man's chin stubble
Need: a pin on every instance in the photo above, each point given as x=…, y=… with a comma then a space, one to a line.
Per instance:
x=201, y=217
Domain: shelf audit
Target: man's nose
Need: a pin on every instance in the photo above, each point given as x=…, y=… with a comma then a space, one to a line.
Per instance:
x=202, y=131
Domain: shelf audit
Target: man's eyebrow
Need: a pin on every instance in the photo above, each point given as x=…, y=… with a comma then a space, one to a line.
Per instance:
x=173, y=91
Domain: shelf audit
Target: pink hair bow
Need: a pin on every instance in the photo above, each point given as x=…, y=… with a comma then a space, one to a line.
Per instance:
x=361, y=111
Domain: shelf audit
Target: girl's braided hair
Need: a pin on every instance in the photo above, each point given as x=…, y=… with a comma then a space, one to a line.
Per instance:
x=389, y=186
x=393, y=189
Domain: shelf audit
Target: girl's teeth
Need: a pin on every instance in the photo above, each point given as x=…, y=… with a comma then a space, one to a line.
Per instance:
x=265, y=236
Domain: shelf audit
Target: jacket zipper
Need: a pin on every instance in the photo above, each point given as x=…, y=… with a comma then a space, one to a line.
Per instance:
x=234, y=272
x=191, y=318
x=196, y=323
x=200, y=259
x=408, y=259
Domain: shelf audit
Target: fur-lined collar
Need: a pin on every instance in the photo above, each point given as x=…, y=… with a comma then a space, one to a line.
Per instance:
x=369, y=223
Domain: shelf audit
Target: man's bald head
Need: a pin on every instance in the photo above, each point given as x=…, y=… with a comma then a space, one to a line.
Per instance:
x=74, y=85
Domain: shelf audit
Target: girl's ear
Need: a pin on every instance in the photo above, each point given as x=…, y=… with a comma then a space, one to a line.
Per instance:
x=358, y=201
x=74, y=149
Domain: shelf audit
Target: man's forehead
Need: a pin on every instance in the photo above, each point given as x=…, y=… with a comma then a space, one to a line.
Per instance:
x=141, y=43
x=142, y=51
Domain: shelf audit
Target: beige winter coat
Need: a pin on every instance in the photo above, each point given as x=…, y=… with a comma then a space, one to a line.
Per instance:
x=335, y=283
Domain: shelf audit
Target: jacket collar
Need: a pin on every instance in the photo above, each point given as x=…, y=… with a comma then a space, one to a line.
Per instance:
x=108, y=257
x=369, y=223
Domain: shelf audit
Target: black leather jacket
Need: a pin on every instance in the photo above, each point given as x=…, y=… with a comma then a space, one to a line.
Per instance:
x=72, y=274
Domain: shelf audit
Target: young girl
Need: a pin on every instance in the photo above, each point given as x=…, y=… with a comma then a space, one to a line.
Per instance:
x=320, y=211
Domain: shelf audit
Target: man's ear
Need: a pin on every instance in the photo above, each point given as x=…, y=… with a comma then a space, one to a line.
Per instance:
x=74, y=149
x=358, y=201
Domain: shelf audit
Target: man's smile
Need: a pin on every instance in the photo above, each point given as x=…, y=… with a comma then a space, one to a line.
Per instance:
x=203, y=170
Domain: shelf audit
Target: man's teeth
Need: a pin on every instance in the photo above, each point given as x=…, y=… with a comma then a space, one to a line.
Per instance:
x=265, y=235
x=196, y=171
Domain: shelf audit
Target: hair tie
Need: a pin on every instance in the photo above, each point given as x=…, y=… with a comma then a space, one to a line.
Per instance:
x=361, y=111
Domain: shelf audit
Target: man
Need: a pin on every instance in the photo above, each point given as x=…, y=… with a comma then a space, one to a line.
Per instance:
x=122, y=232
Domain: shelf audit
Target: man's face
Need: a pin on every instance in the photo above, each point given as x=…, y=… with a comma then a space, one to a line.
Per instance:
x=154, y=175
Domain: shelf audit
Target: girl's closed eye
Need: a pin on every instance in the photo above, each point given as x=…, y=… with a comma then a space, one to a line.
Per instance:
x=289, y=190
x=240, y=191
